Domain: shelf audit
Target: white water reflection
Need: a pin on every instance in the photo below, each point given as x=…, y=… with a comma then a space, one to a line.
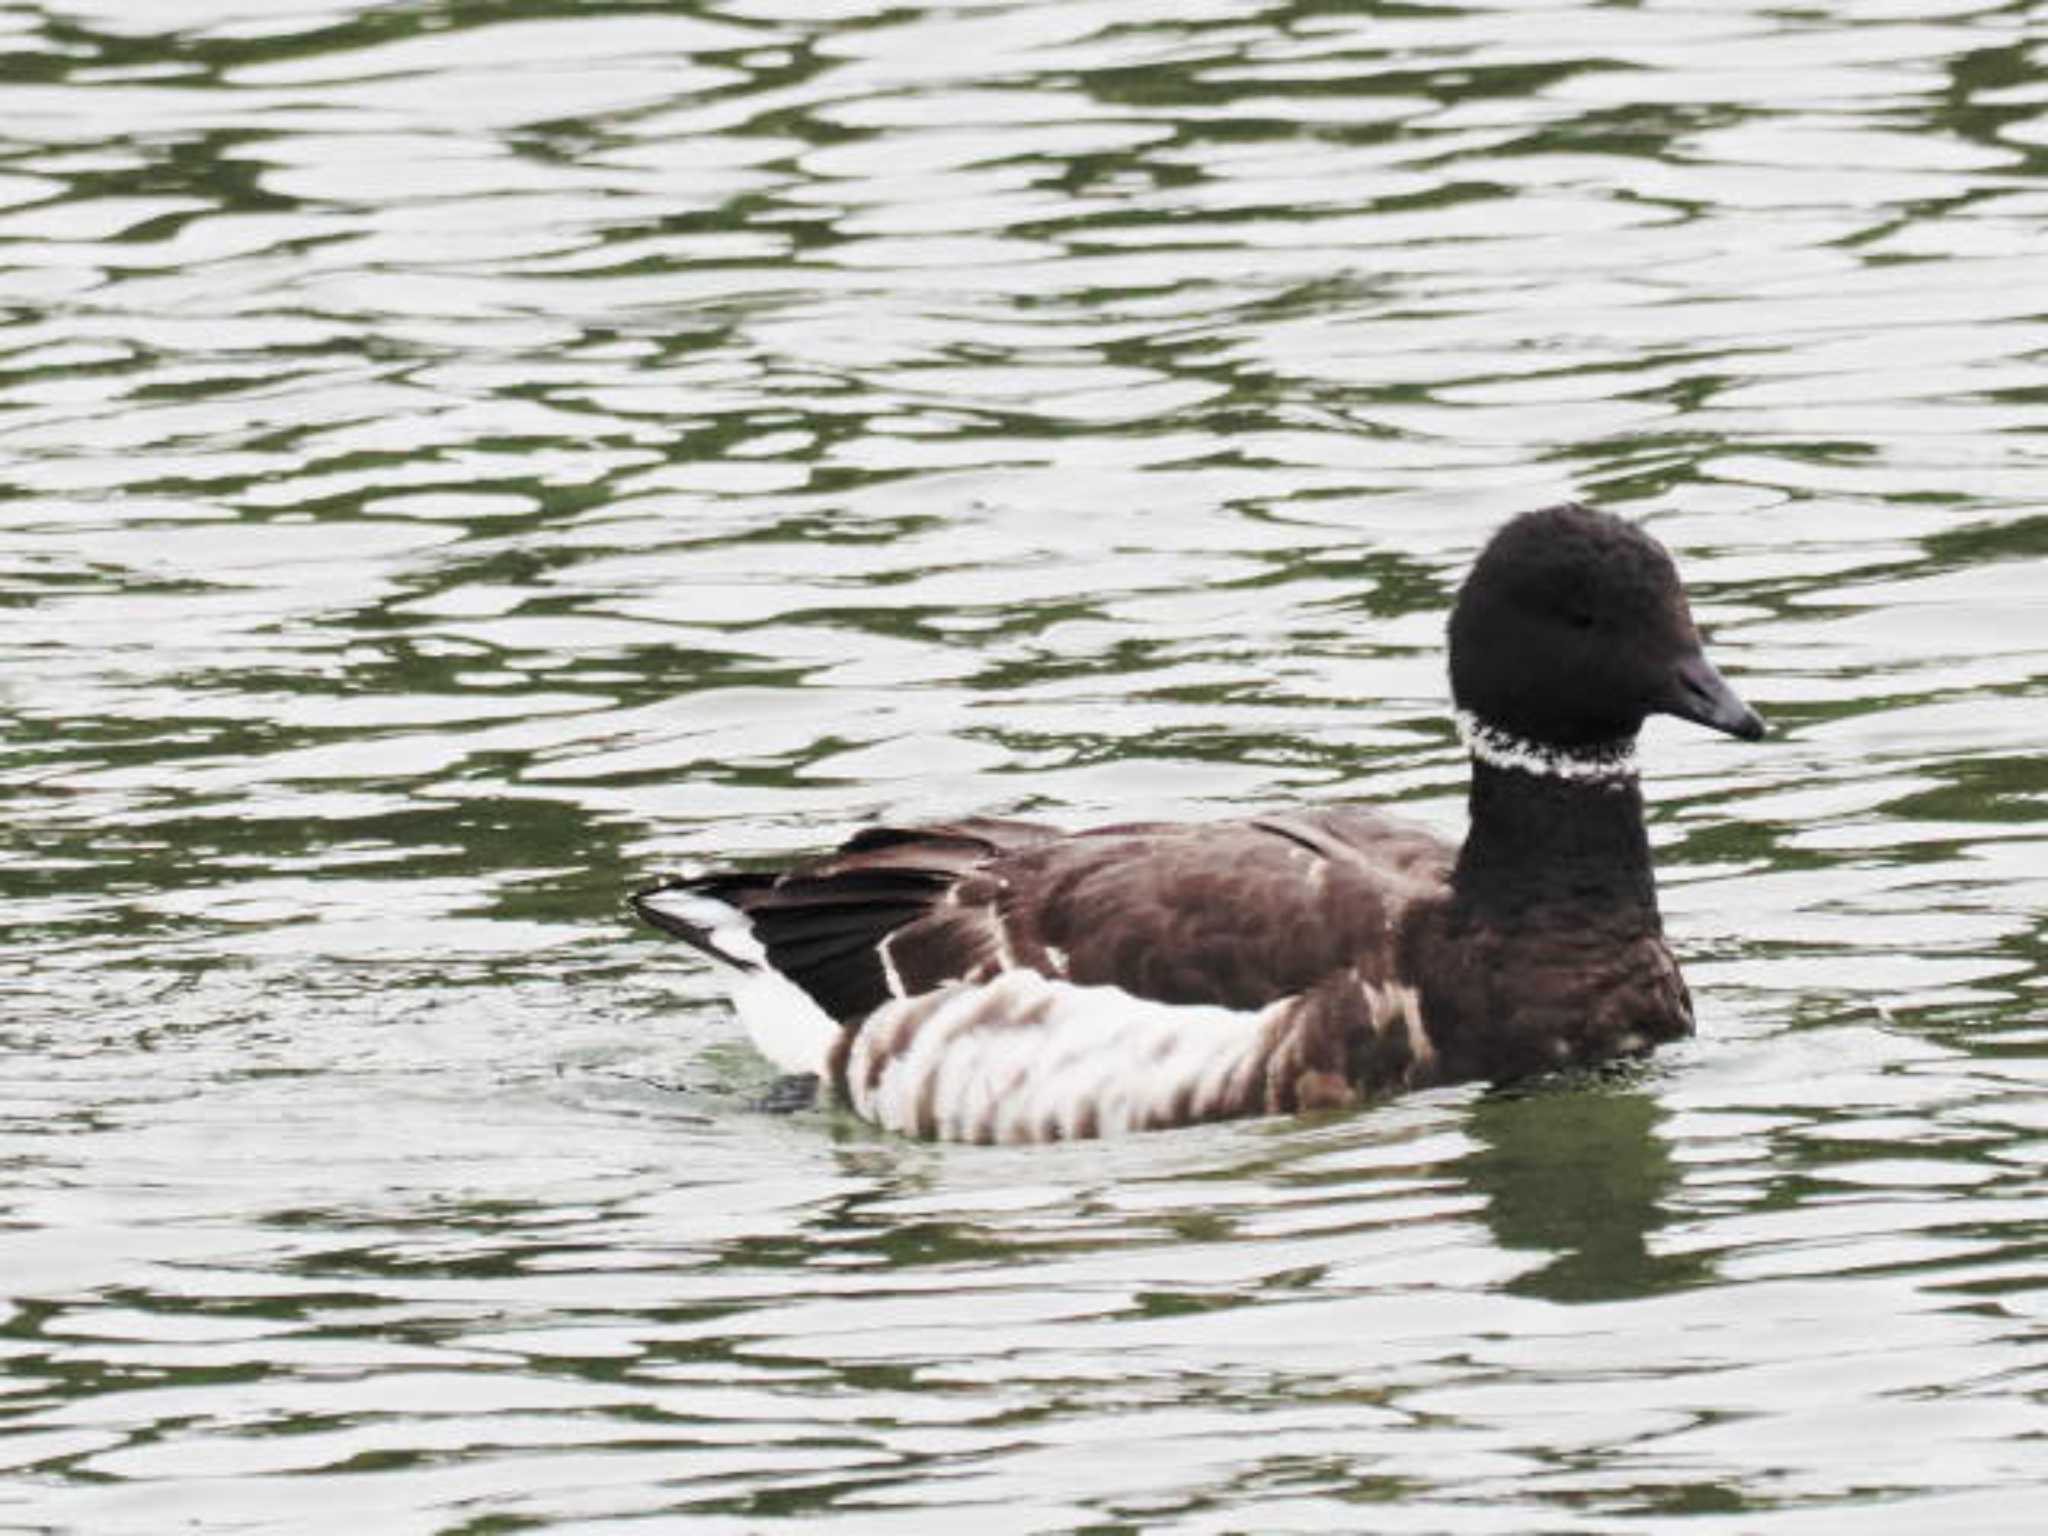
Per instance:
x=458, y=461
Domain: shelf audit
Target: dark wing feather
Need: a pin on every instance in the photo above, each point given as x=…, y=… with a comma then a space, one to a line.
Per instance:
x=823, y=922
x=1232, y=913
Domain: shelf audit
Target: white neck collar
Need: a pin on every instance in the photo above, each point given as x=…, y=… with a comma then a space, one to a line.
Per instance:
x=1611, y=765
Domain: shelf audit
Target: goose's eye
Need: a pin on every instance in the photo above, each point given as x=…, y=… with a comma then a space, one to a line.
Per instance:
x=1578, y=618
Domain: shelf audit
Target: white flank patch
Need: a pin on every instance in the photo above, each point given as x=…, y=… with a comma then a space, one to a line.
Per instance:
x=1394, y=1006
x=891, y=977
x=1026, y=1058
x=779, y=1016
x=1006, y=957
x=1610, y=766
x=784, y=1023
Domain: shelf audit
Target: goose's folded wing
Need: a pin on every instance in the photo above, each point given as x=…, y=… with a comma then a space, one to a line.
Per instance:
x=1235, y=914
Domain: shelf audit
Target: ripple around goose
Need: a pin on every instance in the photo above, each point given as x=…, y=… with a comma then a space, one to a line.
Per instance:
x=998, y=980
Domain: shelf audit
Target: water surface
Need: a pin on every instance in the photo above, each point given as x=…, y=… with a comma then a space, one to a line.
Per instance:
x=456, y=460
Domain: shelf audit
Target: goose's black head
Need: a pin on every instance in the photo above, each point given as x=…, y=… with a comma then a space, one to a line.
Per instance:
x=1573, y=628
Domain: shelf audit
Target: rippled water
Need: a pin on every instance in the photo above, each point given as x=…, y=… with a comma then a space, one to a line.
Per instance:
x=460, y=458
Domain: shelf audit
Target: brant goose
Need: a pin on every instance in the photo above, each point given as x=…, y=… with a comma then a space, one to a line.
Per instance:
x=1000, y=981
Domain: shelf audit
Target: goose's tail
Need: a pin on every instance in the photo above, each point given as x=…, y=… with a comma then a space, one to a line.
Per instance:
x=708, y=913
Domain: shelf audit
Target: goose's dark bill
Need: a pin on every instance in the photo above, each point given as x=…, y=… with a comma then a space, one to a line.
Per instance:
x=1698, y=692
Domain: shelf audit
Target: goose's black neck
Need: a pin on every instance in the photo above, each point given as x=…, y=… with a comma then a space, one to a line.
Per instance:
x=1543, y=847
